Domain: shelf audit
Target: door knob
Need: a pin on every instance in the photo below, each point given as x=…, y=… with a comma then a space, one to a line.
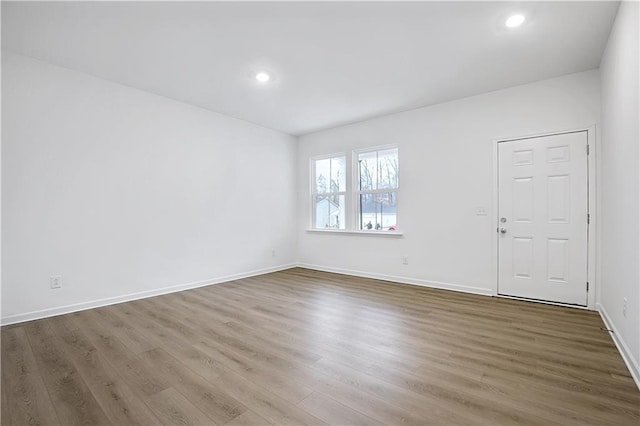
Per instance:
x=503, y=230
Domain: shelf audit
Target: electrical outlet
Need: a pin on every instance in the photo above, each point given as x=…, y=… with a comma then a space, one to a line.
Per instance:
x=624, y=307
x=405, y=260
x=273, y=253
x=55, y=281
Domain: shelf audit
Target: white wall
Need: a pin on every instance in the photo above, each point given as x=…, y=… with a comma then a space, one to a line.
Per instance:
x=445, y=174
x=620, y=276
x=121, y=191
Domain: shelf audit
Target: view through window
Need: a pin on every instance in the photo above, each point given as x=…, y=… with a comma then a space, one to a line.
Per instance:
x=377, y=191
x=372, y=194
x=329, y=193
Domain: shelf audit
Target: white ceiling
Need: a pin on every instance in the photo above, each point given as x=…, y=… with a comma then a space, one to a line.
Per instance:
x=333, y=63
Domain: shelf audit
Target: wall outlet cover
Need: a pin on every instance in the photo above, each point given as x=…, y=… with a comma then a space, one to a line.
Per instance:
x=55, y=281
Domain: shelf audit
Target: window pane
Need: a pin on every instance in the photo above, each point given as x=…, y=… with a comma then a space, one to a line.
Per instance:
x=388, y=168
x=330, y=175
x=323, y=168
x=330, y=212
x=338, y=172
x=378, y=211
x=368, y=170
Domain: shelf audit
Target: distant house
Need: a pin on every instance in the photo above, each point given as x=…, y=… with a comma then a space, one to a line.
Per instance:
x=328, y=214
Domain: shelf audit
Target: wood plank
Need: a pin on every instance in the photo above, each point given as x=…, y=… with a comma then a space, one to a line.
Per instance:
x=101, y=336
x=334, y=413
x=172, y=408
x=374, y=406
x=249, y=418
x=5, y=416
x=25, y=399
x=70, y=395
x=115, y=397
x=265, y=403
x=143, y=379
x=201, y=363
x=437, y=406
x=131, y=337
x=212, y=400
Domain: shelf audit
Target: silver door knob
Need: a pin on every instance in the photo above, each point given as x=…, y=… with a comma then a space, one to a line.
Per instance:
x=503, y=230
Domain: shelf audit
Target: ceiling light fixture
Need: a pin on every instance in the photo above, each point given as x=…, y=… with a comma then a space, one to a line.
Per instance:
x=514, y=21
x=263, y=77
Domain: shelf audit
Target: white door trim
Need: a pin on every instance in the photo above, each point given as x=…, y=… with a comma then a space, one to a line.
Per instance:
x=593, y=257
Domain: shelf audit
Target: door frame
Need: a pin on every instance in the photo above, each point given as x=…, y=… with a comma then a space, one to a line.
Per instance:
x=593, y=229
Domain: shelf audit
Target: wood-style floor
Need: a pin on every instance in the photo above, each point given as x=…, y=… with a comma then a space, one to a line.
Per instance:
x=304, y=347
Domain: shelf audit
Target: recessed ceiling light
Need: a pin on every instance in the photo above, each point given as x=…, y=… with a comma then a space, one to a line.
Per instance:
x=514, y=21
x=263, y=77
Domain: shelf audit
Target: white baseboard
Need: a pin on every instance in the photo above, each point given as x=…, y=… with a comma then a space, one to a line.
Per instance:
x=627, y=356
x=402, y=280
x=67, y=309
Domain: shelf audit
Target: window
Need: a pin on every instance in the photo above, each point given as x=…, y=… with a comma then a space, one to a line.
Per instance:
x=328, y=192
x=360, y=198
x=377, y=191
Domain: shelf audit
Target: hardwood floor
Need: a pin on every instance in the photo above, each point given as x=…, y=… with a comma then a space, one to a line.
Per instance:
x=305, y=347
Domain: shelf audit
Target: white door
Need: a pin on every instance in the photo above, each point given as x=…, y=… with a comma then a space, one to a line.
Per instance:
x=542, y=218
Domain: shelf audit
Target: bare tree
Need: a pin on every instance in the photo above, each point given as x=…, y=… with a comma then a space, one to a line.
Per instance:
x=322, y=184
x=366, y=176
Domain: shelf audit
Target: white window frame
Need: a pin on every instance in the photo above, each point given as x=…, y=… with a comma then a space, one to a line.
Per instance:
x=351, y=195
x=314, y=193
x=355, y=185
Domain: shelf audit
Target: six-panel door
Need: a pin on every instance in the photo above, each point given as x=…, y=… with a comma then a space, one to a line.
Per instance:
x=542, y=218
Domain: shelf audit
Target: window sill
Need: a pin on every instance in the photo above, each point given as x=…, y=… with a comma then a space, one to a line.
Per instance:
x=388, y=234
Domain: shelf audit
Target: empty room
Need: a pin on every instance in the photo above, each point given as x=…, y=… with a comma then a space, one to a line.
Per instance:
x=320, y=213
